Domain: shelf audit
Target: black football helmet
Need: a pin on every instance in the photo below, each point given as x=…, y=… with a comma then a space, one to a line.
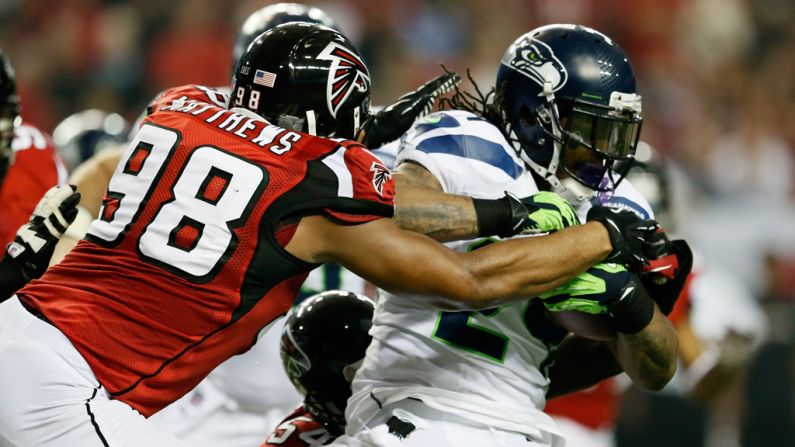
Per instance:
x=323, y=343
x=81, y=135
x=305, y=77
x=9, y=113
x=570, y=109
x=270, y=16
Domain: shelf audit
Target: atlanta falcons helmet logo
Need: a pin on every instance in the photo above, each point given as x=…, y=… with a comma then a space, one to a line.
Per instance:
x=347, y=73
x=380, y=176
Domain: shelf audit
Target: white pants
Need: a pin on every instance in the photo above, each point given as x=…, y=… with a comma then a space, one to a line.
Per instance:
x=389, y=428
x=207, y=417
x=50, y=397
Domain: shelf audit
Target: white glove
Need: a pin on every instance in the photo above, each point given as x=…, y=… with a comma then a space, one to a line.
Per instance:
x=35, y=241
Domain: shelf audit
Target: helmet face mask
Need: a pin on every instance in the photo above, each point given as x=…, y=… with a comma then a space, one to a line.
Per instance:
x=9, y=113
x=569, y=107
x=304, y=77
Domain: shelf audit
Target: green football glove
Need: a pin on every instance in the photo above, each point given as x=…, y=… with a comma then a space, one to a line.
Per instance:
x=542, y=212
x=608, y=289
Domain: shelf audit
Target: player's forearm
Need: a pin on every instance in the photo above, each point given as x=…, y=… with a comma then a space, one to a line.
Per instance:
x=421, y=206
x=530, y=266
x=566, y=375
x=649, y=356
x=441, y=216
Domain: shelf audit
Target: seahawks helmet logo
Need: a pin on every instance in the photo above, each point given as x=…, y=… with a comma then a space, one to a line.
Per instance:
x=536, y=60
x=380, y=176
x=347, y=72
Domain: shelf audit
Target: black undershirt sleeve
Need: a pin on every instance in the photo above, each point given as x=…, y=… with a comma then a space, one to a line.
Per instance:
x=11, y=277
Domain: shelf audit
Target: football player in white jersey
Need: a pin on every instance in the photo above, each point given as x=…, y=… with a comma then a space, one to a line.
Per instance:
x=566, y=118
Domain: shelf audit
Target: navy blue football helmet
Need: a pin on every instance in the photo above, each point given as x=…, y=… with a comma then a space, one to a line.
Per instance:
x=323, y=343
x=273, y=15
x=570, y=109
x=81, y=135
x=9, y=113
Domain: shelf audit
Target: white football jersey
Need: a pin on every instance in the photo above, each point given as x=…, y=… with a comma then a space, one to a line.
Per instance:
x=488, y=366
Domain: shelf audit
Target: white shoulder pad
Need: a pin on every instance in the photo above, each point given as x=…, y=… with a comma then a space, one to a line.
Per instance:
x=466, y=153
x=626, y=197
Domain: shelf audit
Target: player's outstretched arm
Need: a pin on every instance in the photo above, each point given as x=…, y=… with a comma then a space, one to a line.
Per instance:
x=422, y=206
x=405, y=262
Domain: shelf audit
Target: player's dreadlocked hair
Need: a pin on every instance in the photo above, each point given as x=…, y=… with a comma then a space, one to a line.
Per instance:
x=487, y=105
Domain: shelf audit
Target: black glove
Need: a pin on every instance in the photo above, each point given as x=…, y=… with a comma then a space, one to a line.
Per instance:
x=665, y=277
x=395, y=119
x=35, y=241
x=634, y=308
x=634, y=240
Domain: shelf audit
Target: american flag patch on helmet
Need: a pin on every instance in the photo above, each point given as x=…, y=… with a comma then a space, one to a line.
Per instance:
x=265, y=78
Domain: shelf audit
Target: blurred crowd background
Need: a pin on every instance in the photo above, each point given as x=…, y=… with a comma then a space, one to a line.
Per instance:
x=717, y=78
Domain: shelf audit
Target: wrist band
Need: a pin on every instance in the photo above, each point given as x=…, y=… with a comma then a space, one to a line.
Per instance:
x=494, y=217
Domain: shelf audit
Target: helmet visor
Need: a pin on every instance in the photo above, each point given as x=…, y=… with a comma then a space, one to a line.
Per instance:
x=596, y=138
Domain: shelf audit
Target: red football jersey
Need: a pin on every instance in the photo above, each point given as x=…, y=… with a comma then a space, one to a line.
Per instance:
x=36, y=168
x=300, y=429
x=185, y=264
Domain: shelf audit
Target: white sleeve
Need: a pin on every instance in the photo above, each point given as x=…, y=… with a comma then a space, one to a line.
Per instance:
x=467, y=155
x=625, y=197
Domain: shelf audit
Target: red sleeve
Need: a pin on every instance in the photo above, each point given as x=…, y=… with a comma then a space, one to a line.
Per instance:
x=36, y=168
x=682, y=306
x=189, y=92
x=371, y=184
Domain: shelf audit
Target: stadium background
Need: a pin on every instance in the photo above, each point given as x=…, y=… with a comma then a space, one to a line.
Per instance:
x=717, y=77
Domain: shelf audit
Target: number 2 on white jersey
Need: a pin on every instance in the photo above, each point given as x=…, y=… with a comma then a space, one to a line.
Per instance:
x=190, y=235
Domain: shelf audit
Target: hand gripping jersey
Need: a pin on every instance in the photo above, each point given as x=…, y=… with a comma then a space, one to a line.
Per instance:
x=185, y=264
x=36, y=168
x=487, y=366
x=300, y=429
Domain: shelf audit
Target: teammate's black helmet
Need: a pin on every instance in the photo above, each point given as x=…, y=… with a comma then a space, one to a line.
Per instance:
x=271, y=16
x=9, y=112
x=323, y=342
x=305, y=77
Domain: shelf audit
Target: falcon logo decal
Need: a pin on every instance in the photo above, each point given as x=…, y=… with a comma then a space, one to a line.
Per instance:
x=347, y=73
x=536, y=60
x=380, y=176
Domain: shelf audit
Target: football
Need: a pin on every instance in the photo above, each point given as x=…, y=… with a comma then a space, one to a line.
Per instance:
x=594, y=327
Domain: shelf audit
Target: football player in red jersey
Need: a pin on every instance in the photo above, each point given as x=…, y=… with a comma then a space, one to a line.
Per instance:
x=323, y=342
x=212, y=221
x=29, y=167
x=29, y=164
